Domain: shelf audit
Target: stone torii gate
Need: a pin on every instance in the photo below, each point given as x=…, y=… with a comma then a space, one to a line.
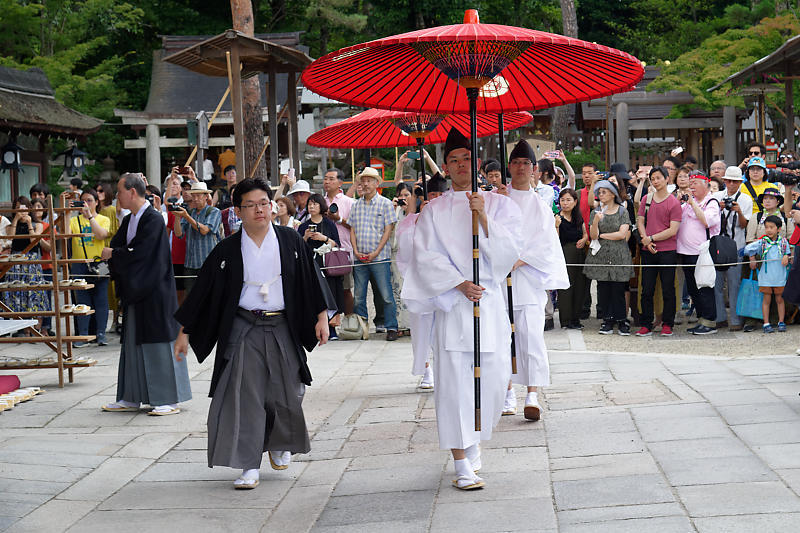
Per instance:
x=248, y=57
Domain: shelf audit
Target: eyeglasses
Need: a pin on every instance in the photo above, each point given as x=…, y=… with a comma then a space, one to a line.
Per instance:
x=262, y=205
x=521, y=162
x=757, y=152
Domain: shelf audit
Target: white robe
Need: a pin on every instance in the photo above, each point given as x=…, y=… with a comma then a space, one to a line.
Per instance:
x=545, y=270
x=442, y=259
x=421, y=324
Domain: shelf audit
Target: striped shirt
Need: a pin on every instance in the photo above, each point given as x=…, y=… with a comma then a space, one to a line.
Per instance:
x=198, y=246
x=368, y=220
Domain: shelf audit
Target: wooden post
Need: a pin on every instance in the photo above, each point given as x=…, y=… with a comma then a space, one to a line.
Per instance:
x=272, y=115
x=235, y=79
x=294, y=138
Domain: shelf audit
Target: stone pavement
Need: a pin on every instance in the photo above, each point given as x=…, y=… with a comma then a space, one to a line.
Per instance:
x=629, y=442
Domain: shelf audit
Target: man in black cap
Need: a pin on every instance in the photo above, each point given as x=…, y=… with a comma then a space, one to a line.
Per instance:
x=541, y=268
x=438, y=281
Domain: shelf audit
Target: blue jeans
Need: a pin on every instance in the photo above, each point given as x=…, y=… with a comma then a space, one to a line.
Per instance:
x=96, y=298
x=382, y=274
x=734, y=278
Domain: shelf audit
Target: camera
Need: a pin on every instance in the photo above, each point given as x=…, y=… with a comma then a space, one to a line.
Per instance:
x=684, y=198
x=401, y=202
x=312, y=228
x=487, y=187
x=77, y=203
x=149, y=198
x=172, y=204
x=791, y=165
x=728, y=203
x=333, y=208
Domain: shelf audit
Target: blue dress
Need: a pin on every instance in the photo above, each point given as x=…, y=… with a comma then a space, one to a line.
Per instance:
x=771, y=273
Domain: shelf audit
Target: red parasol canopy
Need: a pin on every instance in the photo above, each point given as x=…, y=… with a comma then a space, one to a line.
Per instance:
x=528, y=69
x=376, y=128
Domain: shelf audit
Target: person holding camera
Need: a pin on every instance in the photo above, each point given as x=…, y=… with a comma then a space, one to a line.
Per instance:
x=201, y=224
x=139, y=259
x=97, y=228
x=222, y=196
x=317, y=231
x=339, y=206
x=737, y=209
x=658, y=220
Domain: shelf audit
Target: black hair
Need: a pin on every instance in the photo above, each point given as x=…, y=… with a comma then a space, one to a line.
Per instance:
x=76, y=182
x=674, y=160
x=21, y=200
x=589, y=164
x=576, y=212
x=661, y=170
x=228, y=168
x=775, y=219
x=404, y=186
x=186, y=184
x=154, y=190
x=248, y=185
x=39, y=188
x=318, y=199
x=690, y=159
x=109, y=192
x=339, y=173
x=92, y=193
x=547, y=168
x=289, y=203
x=133, y=180
x=760, y=147
x=492, y=166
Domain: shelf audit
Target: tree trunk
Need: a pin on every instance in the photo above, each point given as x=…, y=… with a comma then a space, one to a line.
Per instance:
x=242, y=13
x=560, y=120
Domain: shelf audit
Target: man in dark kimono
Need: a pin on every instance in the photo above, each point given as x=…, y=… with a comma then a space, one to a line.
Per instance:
x=141, y=264
x=258, y=298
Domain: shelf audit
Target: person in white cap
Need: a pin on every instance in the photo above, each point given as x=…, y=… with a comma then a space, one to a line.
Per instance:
x=201, y=224
x=299, y=194
x=737, y=208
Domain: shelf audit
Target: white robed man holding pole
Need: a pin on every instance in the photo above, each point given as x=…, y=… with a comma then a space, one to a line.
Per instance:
x=438, y=281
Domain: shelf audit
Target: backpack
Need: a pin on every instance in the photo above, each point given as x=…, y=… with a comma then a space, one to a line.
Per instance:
x=353, y=327
x=722, y=248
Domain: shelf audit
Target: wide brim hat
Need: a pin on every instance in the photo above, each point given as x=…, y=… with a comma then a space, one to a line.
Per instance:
x=774, y=193
x=299, y=186
x=733, y=173
x=619, y=170
x=605, y=184
x=198, y=187
x=370, y=172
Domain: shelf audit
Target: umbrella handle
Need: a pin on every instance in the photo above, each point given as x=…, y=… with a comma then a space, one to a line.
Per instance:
x=472, y=95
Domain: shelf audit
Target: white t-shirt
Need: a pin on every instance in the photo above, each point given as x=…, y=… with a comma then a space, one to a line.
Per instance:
x=731, y=226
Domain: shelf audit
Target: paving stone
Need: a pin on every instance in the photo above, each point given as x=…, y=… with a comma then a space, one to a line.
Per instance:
x=362, y=448
x=527, y=484
x=64, y=474
x=105, y=480
x=713, y=470
x=184, y=456
x=529, y=514
x=384, y=430
x=792, y=478
x=86, y=444
x=758, y=413
x=387, y=480
x=670, y=411
x=771, y=523
x=434, y=460
x=664, y=524
x=513, y=459
x=323, y=472
x=151, y=445
x=683, y=429
x=55, y=515
x=741, y=397
x=619, y=512
x=194, y=520
x=380, y=507
x=623, y=490
x=396, y=526
x=299, y=509
x=27, y=486
x=699, y=448
x=602, y=466
x=595, y=444
x=517, y=439
x=738, y=499
x=201, y=472
x=196, y=495
x=769, y=433
x=24, y=457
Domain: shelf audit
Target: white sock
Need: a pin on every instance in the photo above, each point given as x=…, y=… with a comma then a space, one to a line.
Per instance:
x=250, y=474
x=463, y=467
x=125, y=403
x=510, y=393
x=532, y=398
x=164, y=408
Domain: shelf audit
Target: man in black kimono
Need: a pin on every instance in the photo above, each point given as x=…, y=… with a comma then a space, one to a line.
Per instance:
x=141, y=264
x=258, y=298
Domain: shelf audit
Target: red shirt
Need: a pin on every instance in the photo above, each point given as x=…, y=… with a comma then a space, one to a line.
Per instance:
x=659, y=217
x=178, y=243
x=584, y=207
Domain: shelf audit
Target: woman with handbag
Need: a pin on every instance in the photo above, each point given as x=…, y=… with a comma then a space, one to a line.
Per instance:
x=97, y=228
x=317, y=231
x=405, y=204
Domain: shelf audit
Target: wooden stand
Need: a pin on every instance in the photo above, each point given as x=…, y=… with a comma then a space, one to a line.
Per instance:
x=61, y=343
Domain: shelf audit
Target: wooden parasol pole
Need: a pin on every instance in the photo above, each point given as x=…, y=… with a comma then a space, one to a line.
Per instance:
x=510, y=292
x=472, y=94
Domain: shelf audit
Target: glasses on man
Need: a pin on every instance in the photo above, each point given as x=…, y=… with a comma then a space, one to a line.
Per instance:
x=261, y=205
x=755, y=152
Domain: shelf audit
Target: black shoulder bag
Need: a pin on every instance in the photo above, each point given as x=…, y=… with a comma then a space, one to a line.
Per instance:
x=722, y=248
x=97, y=267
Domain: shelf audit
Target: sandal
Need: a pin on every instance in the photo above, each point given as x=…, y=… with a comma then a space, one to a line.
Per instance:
x=243, y=483
x=465, y=482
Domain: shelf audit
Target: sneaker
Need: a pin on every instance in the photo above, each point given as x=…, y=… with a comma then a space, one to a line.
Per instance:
x=644, y=332
x=510, y=403
x=79, y=344
x=391, y=335
x=782, y=327
x=575, y=324
x=607, y=328
x=748, y=328
x=692, y=330
x=666, y=331
x=549, y=324
x=704, y=330
x=623, y=328
x=767, y=328
x=427, y=379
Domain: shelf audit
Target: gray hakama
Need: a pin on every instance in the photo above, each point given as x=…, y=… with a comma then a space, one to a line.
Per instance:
x=148, y=373
x=257, y=405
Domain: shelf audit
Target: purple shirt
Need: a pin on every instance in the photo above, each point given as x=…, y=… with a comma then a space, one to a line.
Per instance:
x=692, y=232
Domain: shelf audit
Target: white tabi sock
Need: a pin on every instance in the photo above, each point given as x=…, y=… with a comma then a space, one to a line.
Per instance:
x=125, y=403
x=250, y=474
x=463, y=467
x=474, y=456
x=532, y=399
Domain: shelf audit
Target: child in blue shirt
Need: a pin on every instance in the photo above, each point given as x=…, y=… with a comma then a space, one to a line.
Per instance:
x=774, y=251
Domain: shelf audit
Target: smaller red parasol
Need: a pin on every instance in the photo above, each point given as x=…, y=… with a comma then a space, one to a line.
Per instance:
x=376, y=128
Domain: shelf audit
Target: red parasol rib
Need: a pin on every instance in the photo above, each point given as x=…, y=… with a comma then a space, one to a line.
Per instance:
x=416, y=71
x=376, y=128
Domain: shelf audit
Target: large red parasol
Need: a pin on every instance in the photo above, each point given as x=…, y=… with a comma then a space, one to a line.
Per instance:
x=422, y=70
x=471, y=67
x=378, y=128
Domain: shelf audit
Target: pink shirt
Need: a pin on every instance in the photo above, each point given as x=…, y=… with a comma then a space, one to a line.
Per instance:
x=344, y=203
x=659, y=217
x=692, y=232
